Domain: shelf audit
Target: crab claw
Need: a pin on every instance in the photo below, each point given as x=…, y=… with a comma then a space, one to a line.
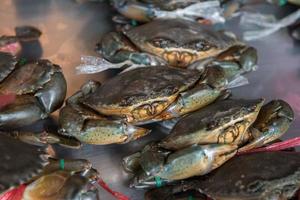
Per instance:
x=92, y=129
x=238, y=60
x=40, y=88
x=272, y=122
x=195, y=160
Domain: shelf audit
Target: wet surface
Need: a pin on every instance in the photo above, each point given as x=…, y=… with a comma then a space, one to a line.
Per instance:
x=71, y=30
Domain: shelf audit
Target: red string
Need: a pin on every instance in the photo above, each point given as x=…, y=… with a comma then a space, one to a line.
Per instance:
x=278, y=146
x=118, y=195
x=12, y=48
x=14, y=194
x=6, y=99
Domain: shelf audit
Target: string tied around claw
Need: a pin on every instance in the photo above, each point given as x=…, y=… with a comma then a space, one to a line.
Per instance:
x=116, y=194
x=278, y=146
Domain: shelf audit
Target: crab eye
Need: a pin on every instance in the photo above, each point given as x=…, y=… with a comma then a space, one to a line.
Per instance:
x=202, y=46
x=161, y=42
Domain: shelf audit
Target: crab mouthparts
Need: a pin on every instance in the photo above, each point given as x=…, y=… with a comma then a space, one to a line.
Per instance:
x=179, y=59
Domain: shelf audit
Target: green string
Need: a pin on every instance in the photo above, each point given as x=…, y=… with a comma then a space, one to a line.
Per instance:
x=158, y=181
x=62, y=164
x=190, y=197
x=22, y=61
x=133, y=23
x=282, y=2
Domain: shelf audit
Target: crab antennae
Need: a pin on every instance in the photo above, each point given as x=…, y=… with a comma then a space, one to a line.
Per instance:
x=278, y=146
x=118, y=195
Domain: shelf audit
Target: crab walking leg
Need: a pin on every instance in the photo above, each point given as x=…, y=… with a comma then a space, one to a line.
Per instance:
x=272, y=122
x=46, y=138
x=115, y=49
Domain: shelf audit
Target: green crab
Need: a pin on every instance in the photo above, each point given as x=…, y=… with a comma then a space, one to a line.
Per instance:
x=257, y=176
x=99, y=115
x=45, y=178
x=39, y=88
x=172, y=42
x=203, y=140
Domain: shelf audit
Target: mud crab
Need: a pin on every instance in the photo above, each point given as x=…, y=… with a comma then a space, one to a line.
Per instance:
x=39, y=88
x=215, y=135
x=28, y=164
x=23, y=34
x=259, y=176
x=173, y=42
x=139, y=96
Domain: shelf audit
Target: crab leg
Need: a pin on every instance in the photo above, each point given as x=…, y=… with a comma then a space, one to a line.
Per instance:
x=47, y=138
x=272, y=122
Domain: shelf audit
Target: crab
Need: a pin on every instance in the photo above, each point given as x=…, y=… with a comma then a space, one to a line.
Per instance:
x=36, y=167
x=39, y=88
x=216, y=134
x=98, y=114
x=148, y=10
x=177, y=43
x=259, y=176
x=11, y=44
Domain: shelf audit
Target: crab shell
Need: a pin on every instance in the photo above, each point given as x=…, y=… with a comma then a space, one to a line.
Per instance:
x=142, y=93
x=257, y=176
x=20, y=162
x=176, y=40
